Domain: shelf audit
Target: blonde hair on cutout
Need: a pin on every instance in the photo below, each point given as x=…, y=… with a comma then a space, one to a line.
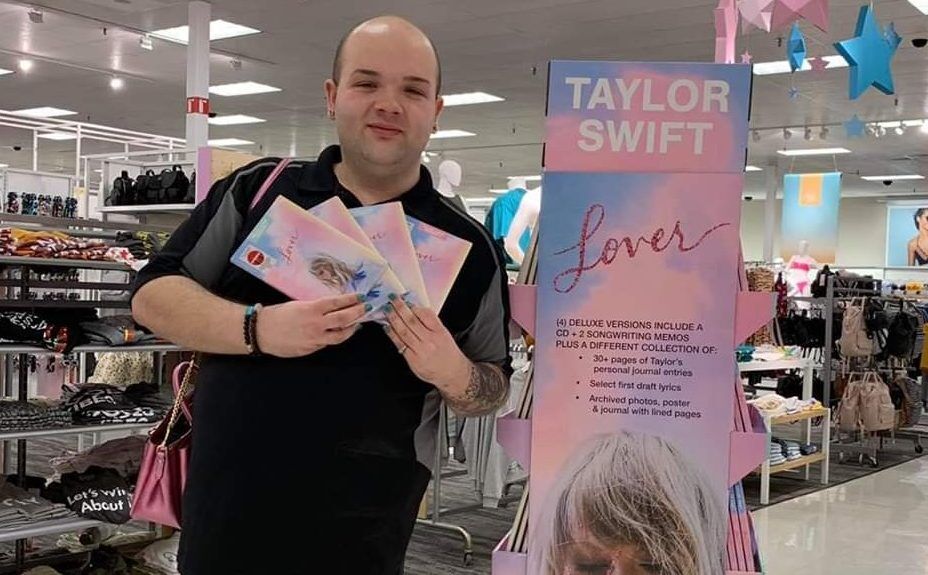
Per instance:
x=339, y=272
x=632, y=489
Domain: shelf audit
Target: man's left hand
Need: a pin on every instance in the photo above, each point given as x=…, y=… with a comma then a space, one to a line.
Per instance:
x=427, y=345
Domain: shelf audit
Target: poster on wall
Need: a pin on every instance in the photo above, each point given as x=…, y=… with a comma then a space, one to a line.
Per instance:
x=907, y=235
x=809, y=225
x=637, y=281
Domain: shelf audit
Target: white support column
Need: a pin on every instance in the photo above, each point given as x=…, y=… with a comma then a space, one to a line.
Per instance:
x=198, y=17
x=35, y=150
x=770, y=210
x=77, y=156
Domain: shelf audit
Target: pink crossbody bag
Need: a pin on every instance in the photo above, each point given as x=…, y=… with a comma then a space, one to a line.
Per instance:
x=165, y=461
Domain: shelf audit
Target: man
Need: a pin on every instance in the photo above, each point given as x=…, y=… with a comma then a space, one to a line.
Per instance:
x=332, y=427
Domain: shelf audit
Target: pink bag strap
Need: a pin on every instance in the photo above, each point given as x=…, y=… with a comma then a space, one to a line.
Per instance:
x=270, y=180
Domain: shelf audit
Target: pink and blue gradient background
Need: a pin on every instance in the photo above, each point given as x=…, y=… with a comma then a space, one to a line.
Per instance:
x=441, y=256
x=724, y=146
x=698, y=286
x=641, y=192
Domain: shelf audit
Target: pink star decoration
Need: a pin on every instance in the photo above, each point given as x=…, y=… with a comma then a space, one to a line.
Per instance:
x=786, y=12
x=746, y=58
x=756, y=13
x=818, y=64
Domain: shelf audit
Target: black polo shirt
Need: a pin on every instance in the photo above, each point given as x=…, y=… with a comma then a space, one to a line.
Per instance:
x=341, y=438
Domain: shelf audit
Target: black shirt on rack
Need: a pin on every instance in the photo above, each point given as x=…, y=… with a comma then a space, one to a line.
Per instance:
x=341, y=440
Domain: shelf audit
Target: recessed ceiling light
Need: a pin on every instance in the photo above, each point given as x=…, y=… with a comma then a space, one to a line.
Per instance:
x=117, y=83
x=814, y=152
x=920, y=5
x=440, y=134
x=892, y=178
x=4, y=165
x=242, y=89
x=44, y=112
x=146, y=43
x=36, y=16
x=26, y=64
x=470, y=98
x=234, y=120
x=58, y=136
x=222, y=142
x=218, y=30
x=753, y=169
x=783, y=67
x=4, y=71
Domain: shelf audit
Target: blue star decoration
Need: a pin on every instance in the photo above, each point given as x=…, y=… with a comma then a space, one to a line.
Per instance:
x=854, y=128
x=869, y=55
x=796, y=48
x=891, y=36
x=793, y=93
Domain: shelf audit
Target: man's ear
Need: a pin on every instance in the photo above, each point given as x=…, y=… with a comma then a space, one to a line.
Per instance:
x=331, y=93
x=439, y=106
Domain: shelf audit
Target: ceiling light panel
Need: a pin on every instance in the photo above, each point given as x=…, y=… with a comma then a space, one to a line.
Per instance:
x=442, y=134
x=535, y=178
x=44, y=112
x=4, y=71
x=895, y=178
x=920, y=5
x=783, y=67
x=753, y=169
x=235, y=120
x=242, y=89
x=469, y=98
x=226, y=142
x=814, y=152
x=58, y=136
x=218, y=30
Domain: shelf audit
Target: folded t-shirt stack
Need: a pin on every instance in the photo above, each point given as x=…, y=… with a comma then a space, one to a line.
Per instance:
x=54, y=329
x=776, y=454
x=789, y=450
x=98, y=404
x=123, y=455
x=19, y=508
x=32, y=415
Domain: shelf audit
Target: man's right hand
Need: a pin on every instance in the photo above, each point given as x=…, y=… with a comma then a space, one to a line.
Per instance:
x=299, y=328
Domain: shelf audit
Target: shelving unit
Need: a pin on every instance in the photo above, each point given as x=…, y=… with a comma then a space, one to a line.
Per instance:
x=78, y=226
x=822, y=457
x=806, y=365
x=26, y=280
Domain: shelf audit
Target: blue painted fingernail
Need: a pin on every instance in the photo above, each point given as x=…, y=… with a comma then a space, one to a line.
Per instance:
x=361, y=297
x=391, y=297
x=368, y=307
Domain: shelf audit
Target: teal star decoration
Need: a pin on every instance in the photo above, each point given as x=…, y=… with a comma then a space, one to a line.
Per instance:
x=869, y=55
x=796, y=48
x=854, y=128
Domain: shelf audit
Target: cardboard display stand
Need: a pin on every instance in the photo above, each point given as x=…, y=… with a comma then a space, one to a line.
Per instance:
x=636, y=315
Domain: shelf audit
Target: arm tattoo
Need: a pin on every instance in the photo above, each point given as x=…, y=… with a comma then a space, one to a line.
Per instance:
x=487, y=389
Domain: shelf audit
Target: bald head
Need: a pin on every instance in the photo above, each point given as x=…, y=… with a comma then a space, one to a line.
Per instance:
x=392, y=27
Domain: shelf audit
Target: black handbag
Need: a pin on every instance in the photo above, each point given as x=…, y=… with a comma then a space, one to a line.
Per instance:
x=147, y=188
x=174, y=186
x=123, y=191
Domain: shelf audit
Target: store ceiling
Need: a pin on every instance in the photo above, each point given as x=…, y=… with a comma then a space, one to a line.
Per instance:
x=497, y=46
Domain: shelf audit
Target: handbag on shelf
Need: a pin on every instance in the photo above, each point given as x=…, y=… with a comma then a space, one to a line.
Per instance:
x=147, y=188
x=174, y=186
x=123, y=192
x=163, y=472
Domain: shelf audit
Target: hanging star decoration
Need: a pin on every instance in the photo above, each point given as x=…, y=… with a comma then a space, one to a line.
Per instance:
x=786, y=12
x=854, y=128
x=756, y=13
x=892, y=37
x=746, y=57
x=726, y=30
x=818, y=64
x=796, y=48
x=793, y=93
x=869, y=55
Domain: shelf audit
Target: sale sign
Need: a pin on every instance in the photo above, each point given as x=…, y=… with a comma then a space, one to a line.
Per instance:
x=637, y=283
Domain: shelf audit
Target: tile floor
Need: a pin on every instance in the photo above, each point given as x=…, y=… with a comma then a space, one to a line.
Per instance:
x=874, y=525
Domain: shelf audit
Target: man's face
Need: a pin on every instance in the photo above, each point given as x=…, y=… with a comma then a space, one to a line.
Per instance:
x=385, y=102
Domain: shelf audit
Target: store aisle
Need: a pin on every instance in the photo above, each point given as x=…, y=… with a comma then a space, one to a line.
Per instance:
x=877, y=524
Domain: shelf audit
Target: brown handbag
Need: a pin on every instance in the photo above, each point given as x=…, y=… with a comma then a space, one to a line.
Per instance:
x=163, y=473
